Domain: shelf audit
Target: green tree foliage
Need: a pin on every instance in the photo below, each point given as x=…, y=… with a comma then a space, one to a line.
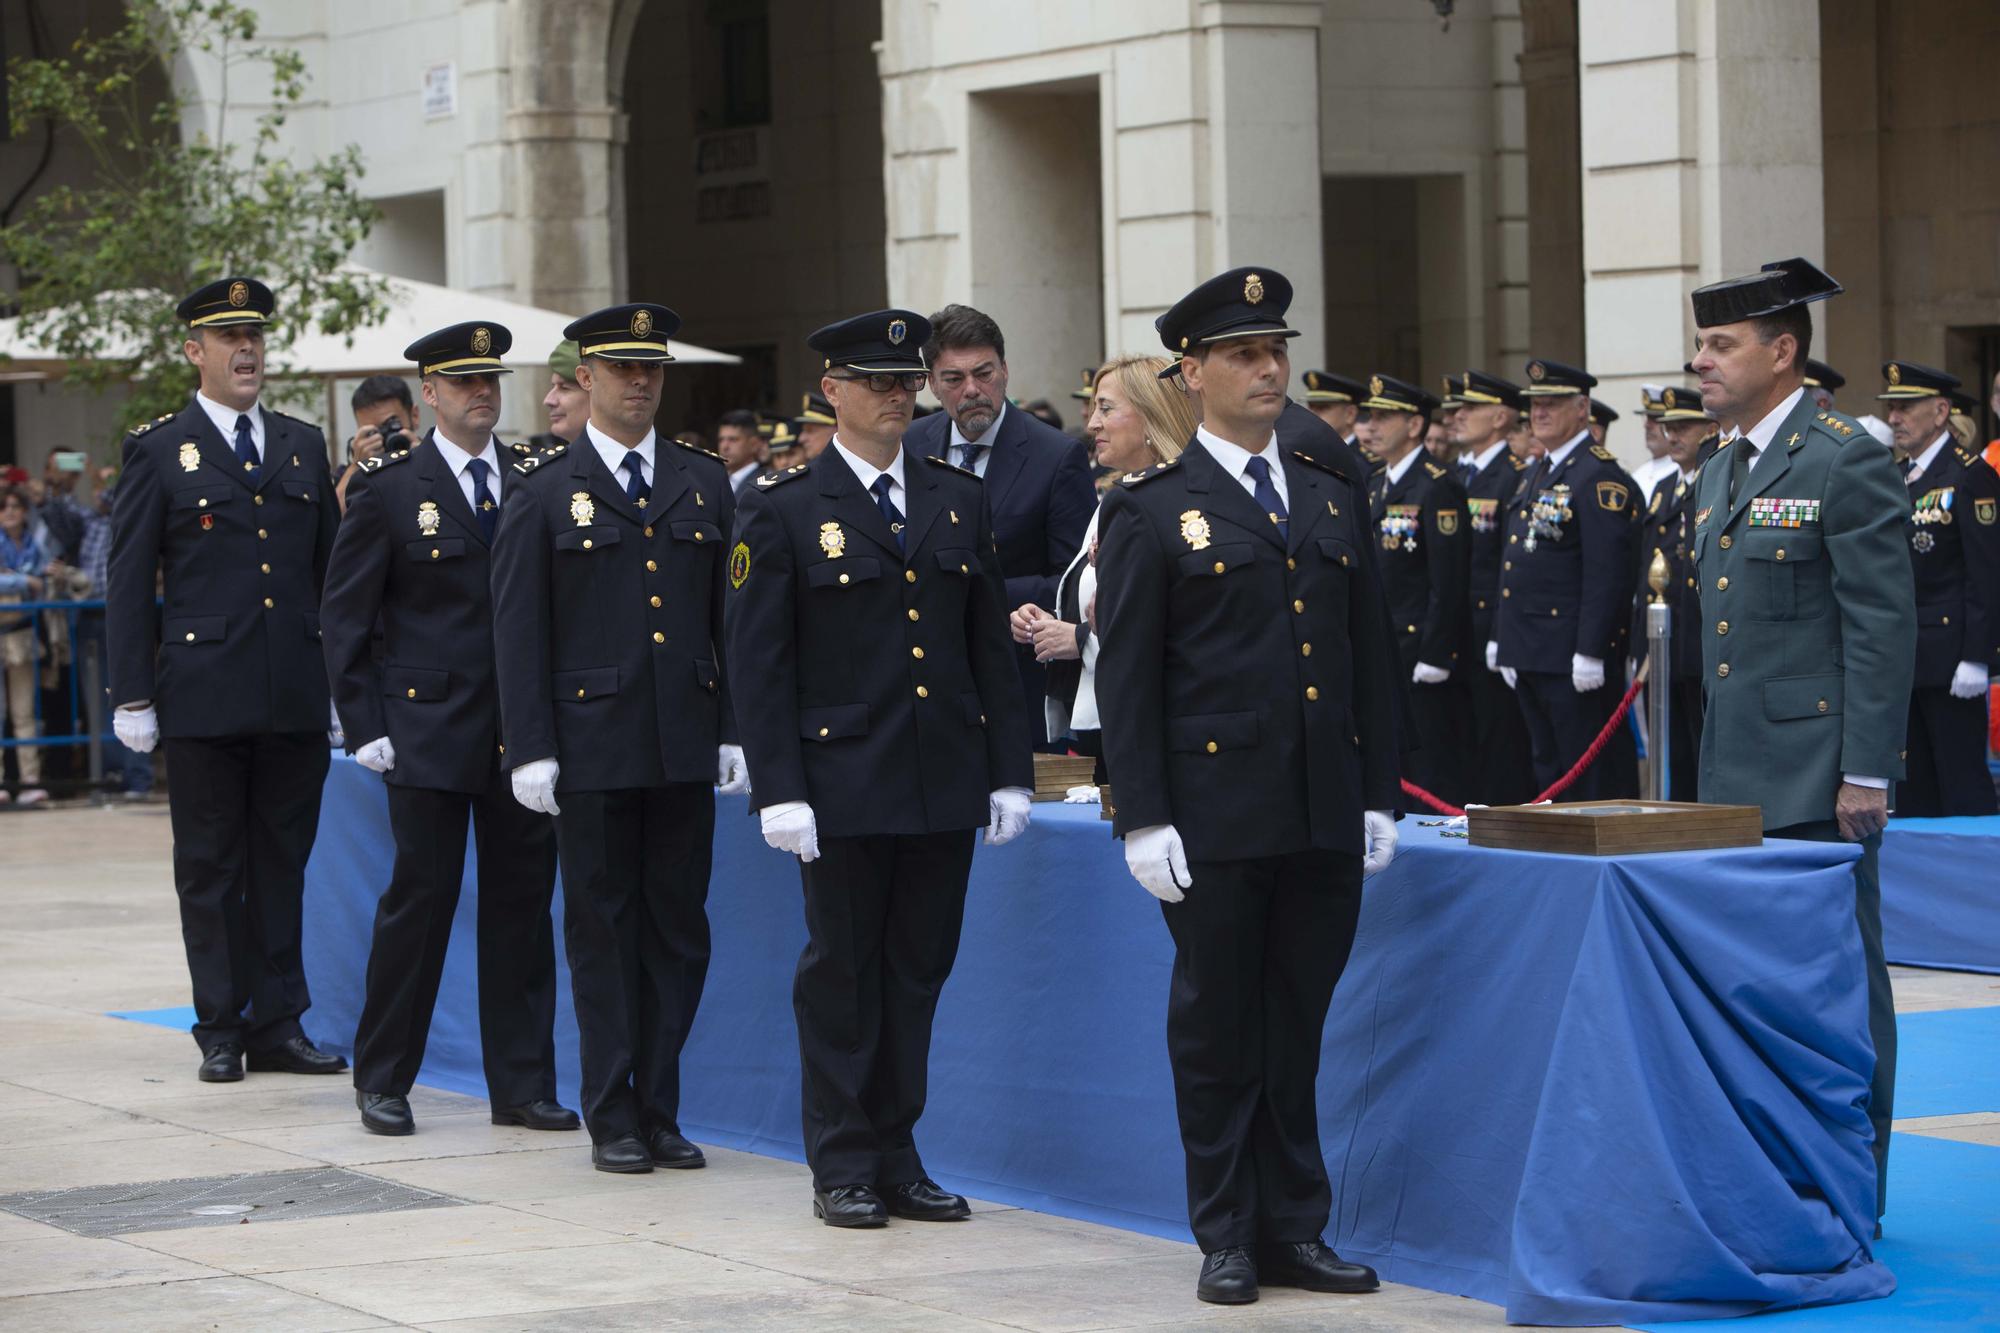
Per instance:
x=174, y=202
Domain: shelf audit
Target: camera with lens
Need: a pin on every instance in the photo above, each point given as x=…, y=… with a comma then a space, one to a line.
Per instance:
x=394, y=435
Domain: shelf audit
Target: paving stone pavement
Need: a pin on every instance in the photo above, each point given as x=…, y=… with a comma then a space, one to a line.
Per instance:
x=532, y=1238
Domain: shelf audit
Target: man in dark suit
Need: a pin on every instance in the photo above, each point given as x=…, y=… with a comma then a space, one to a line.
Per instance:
x=1499, y=769
x=1253, y=773
x=607, y=621
x=868, y=621
x=230, y=506
x=1037, y=479
x=412, y=557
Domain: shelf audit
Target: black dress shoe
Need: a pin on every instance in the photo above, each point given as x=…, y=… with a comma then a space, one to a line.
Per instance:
x=221, y=1063
x=670, y=1150
x=624, y=1156
x=295, y=1055
x=537, y=1115
x=923, y=1201
x=385, y=1113
x=850, y=1206
x=1228, y=1277
x=1311, y=1265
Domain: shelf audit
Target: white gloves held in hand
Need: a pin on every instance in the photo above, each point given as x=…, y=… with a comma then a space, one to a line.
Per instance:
x=1969, y=681
x=535, y=786
x=1381, y=829
x=1157, y=860
x=1586, y=673
x=1492, y=655
x=789, y=827
x=1007, y=814
x=1426, y=674
x=732, y=775
x=378, y=756
x=137, y=727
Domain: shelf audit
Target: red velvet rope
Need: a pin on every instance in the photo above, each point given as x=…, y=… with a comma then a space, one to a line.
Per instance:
x=1563, y=783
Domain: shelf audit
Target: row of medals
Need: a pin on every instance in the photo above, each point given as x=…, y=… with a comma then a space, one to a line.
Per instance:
x=1931, y=508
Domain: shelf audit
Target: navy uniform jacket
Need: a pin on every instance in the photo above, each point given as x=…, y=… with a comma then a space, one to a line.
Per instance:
x=607, y=618
x=1566, y=575
x=1486, y=499
x=880, y=687
x=1038, y=490
x=410, y=558
x=236, y=652
x=1954, y=533
x=1247, y=690
x=1425, y=558
x=1300, y=428
x=1668, y=527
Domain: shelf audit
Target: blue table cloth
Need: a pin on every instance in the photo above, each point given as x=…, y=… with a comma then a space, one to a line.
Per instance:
x=1592, y=1091
x=1941, y=892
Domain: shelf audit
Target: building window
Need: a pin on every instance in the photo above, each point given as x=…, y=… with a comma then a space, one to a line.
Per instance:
x=736, y=37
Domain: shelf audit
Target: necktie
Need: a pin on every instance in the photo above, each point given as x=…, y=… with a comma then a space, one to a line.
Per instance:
x=482, y=500
x=968, y=454
x=1909, y=469
x=246, y=447
x=1466, y=472
x=636, y=489
x=1739, y=468
x=888, y=508
x=1259, y=468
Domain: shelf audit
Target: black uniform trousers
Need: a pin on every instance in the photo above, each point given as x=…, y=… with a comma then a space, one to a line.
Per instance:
x=1258, y=947
x=1683, y=738
x=635, y=868
x=245, y=810
x=1947, y=757
x=1442, y=721
x=1501, y=771
x=516, y=942
x=882, y=917
x=1881, y=999
x=1562, y=724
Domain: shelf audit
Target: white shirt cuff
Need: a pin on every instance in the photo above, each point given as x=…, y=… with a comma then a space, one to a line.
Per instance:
x=1855, y=779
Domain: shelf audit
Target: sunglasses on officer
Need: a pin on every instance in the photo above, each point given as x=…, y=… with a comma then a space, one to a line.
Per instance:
x=883, y=381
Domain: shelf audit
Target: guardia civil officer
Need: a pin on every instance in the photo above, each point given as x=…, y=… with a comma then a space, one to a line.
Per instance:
x=1499, y=770
x=1668, y=529
x=607, y=609
x=1418, y=510
x=1954, y=534
x=1249, y=713
x=1808, y=620
x=868, y=619
x=230, y=506
x=412, y=559
x=1565, y=589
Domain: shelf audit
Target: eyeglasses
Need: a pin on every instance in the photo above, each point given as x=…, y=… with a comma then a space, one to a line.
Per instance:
x=883, y=381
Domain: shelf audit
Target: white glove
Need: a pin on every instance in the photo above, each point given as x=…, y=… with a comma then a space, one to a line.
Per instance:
x=1586, y=673
x=789, y=826
x=1007, y=814
x=1084, y=795
x=1381, y=829
x=1969, y=681
x=1492, y=655
x=136, y=726
x=1157, y=860
x=732, y=775
x=1509, y=675
x=535, y=786
x=378, y=756
x=1426, y=674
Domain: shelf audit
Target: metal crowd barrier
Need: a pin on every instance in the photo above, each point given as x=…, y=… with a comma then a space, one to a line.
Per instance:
x=87, y=724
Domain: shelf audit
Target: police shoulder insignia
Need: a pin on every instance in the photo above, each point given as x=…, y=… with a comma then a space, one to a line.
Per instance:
x=1433, y=469
x=698, y=449
x=950, y=466
x=739, y=564
x=1520, y=464
x=522, y=449
x=1601, y=452
x=1658, y=498
x=1157, y=470
x=1310, y=461
x=770, y=479
x=527, y=465
x=386, y=460
x=1611, y=495
x=1965, y=456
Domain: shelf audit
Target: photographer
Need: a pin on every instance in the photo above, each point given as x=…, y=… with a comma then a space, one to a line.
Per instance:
x=385, y=420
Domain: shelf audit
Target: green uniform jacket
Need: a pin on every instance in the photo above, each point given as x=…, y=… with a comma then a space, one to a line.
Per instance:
x=1808, y=618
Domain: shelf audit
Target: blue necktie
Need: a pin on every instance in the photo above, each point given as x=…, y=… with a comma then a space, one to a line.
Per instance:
x=246, y=448
x=482, y=500
x=889, y=510
x=636, y=489
x=1466, y=472
x=968, y=454
x=1266, y=494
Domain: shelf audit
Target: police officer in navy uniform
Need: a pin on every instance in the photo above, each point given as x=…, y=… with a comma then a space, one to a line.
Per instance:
x=1499, y=771
x=1417, y=508
x=1954, y=534
x=1336, y=400
x=1254, y=772
x=607, y=608
x=230, y=506
x=1667, y=528
x=1823, y=382
x=868, y=619
x=412, y=558
x=1565, y=589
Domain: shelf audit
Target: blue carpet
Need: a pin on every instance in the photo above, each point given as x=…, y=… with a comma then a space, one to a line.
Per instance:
x=1946, y=1064
x=181, y=1016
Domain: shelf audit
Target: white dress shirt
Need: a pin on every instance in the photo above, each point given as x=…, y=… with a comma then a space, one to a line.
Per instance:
x=1559, y=455
x=959, y=440
x=225, y=421
x=1926, y=458
x=1235, y=460
x=866, y=473
x=1488, y=454
x=456, y=458
x=743, y=474
x=614, y=453
x=1401, y=467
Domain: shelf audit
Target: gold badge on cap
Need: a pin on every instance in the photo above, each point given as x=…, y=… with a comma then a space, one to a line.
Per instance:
x=642, y=323
x=1895, y=373
x=739, y=564
x=832, y=540
x=581, y=509
x=482, y=341
x=1537, y=371
x=1667, y=400
x=239, y=293
x=1312, y=379
x=190, y=457
x=1194, y=529
x=427, y=518
x=898, y=331
x=1375, y=386
x=1253, y=289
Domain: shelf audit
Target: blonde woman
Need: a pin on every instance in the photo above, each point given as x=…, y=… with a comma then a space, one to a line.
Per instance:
x=1136, y=420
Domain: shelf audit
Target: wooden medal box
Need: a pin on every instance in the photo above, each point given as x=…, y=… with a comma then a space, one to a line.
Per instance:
x=1616, y=828
x=1055, y=774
